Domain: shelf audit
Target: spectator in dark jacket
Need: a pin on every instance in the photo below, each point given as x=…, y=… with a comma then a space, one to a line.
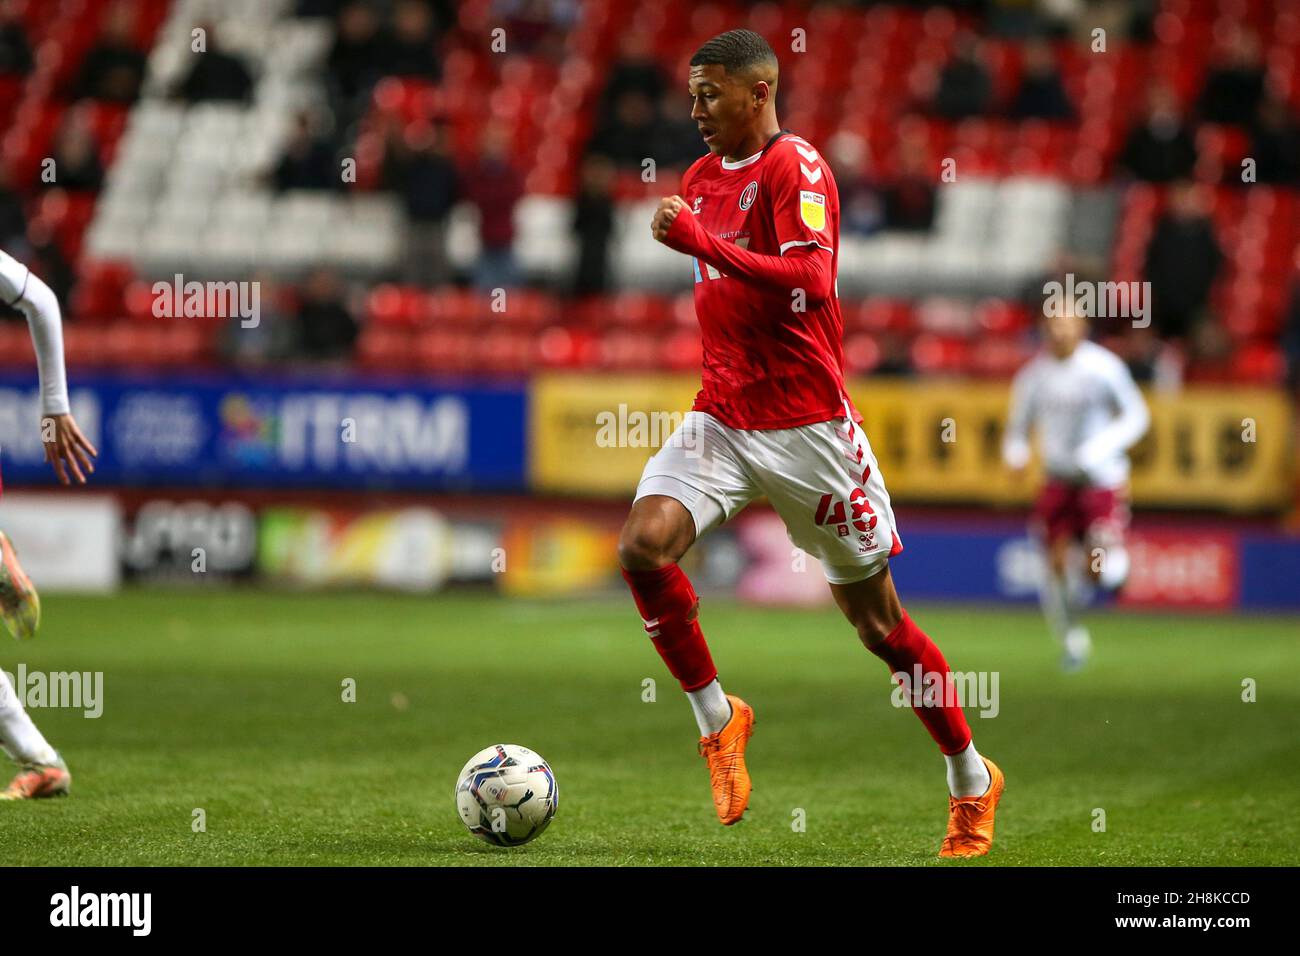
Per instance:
x=964, y=88
x=15, y=51
x=76, y=154
x=1234, y=87
x=1291, y=329
x=114, y=68
x=216, y=75
x=1182, y=262
x=308, y=160
x=495, y=187
x=13, y=221
x=1042, y=94
x=629, y=138
x=593, y=223
x=909, y=198
x=1275, y=143
x=325, y=327
x=411, y=51
x=1162, y=147
x=420, y=167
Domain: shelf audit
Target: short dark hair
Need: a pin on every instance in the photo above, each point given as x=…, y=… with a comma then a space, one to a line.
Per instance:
x=736, y=51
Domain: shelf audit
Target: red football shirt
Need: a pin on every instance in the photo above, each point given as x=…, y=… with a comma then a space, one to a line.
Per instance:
x=767, y=363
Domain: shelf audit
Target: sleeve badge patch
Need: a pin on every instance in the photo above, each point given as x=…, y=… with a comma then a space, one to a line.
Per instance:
x=812, y=209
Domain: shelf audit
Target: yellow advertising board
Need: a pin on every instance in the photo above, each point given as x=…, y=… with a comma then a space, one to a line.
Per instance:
x=1209, y=447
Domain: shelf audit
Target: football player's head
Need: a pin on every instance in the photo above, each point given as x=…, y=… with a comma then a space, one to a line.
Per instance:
x=733, y=88
x=1064, y=327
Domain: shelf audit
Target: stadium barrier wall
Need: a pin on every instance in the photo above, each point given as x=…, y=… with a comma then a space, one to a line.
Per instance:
x=251, y=431
x=546, y=548
x=937, y=441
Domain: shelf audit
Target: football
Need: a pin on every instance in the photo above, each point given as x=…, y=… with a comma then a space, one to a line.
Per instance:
x=506, y=795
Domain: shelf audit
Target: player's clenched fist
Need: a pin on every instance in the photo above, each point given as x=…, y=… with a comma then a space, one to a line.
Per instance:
x=668, y=209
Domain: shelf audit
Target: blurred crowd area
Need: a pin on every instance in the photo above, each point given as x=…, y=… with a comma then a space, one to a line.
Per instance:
x=380, y=166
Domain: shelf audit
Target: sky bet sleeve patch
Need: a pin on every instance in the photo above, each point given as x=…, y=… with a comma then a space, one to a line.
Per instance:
x=812, y=209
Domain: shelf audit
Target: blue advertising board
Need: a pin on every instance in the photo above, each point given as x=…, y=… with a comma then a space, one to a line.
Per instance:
x=265, y=432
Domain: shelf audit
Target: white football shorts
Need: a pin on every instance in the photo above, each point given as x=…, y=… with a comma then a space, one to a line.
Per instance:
x=822, y=479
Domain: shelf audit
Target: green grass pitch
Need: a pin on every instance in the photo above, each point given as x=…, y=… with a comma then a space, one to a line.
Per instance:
x=232, y=702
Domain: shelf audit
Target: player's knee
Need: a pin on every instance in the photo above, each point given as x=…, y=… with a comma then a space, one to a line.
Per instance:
x=645, y=546
x=874, y=624
x=873, y=632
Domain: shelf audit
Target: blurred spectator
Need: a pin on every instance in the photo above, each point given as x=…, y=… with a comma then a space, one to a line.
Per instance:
x=1291, y=329
x=13, y=221
x=964, y=88
x=677, y=141
x=637, y=70
x=909, y=197
x=357, y=57
x=216, y=75
x=862, y=211
x=593, y=223
x=420, y=167
x=1275, y=143
x=76, y=154
x=1182, y=262
x=318, y=8
x=628, y=138
x=1162, y=147
x=325, y=327
x=1234, y=86
x=15, y=52
x=412, y=51
x=1042, y=94
x=308, y=161
x=267, y=342
x=895, y=355
x=537, y=26
x=114, y=68
x=495, y=187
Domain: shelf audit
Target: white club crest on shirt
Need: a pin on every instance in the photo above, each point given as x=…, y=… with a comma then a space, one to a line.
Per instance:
x=696, y=208
x=748, y=196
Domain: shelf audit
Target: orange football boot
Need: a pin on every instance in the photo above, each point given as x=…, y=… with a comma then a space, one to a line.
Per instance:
x=970, y=819
x=36, y=781
x=725, y=753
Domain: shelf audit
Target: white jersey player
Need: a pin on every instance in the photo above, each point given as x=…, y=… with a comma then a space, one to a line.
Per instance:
x=1087, y=412
x=43, y=772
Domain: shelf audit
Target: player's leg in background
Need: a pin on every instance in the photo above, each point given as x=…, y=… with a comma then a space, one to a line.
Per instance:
x=42, y=772
x=1055, y=526
x=1106, y=513
x=20, y=604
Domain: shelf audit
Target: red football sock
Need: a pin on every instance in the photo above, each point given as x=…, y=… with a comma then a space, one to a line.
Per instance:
x=906, y=647
x=669, y=607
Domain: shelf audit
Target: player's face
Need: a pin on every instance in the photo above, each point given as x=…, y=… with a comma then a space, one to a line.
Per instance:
x=1064, y=332
x=719, y=107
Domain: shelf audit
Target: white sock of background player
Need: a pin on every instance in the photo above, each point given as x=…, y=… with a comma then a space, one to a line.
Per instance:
x=21, y=739
x=1114, y=569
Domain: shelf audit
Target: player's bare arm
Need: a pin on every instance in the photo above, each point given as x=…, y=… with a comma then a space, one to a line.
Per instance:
x=67, y=450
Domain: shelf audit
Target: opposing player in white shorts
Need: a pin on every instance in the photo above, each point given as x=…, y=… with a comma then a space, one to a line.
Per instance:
x=42, y=771
x=759, y=215
x=1082, y=403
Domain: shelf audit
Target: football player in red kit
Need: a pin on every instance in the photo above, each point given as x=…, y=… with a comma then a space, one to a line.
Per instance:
x=759, y=216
